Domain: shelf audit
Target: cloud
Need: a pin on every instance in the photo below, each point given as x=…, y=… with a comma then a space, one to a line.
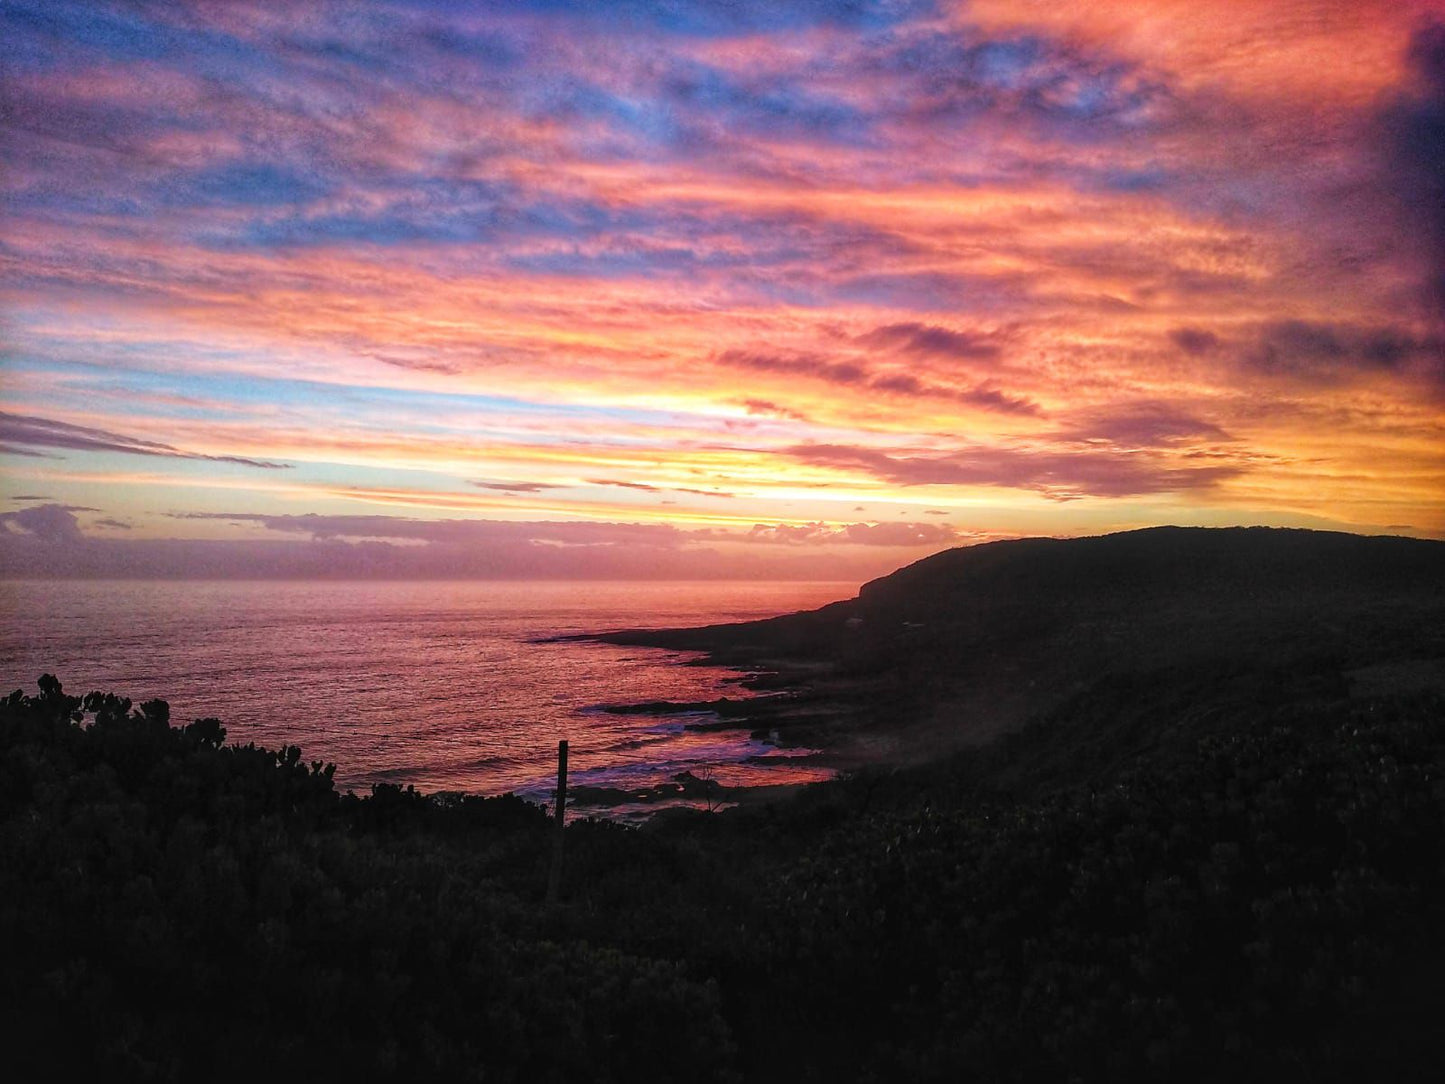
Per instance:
x=645, y=488
x=1320, y=352
x=1301, y=339
x=624, y=485
x=1062, y=475
x=850, y=374
x=435, y=236
x=990, y=398
x=769, y=408
x=808, y=365
x=47, y=433
x=53, y=523
x=931, y=340
x=861, y=534
x=456, y=531
x=473, y=534
x=925, y=290
x=14, y=449
x=48, y=541
x=1145, y=424
x=1414, y=132
x=901, y=534
x=515, y=487
x=1193, y=340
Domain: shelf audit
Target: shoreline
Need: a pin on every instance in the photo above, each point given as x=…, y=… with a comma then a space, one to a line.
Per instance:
x=799, y=703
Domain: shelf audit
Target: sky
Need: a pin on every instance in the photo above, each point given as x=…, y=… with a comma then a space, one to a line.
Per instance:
x=709, y=288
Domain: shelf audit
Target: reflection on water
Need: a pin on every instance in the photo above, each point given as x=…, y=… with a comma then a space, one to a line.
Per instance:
x=434, y=684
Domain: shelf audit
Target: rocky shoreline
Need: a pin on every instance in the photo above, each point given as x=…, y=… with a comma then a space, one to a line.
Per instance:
x=795, y=704
x=975, y=643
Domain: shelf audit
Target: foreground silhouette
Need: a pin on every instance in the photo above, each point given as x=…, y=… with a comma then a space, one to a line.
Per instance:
x=1218, y=868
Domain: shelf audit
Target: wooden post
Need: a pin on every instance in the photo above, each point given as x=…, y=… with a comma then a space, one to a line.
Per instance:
x=554, y=878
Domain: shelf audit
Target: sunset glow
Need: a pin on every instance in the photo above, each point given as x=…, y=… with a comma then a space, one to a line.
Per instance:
x=759, y=289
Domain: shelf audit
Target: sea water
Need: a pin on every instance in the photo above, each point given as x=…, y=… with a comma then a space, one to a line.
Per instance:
x=437, y=684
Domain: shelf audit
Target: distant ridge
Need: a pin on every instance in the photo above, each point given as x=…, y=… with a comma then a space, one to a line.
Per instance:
x=1183, y=559
x=975, y=641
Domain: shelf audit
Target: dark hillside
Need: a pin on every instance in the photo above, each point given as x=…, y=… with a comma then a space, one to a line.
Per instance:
x=973, y=642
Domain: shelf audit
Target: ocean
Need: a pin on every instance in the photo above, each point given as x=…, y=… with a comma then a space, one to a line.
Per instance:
x=436, y=684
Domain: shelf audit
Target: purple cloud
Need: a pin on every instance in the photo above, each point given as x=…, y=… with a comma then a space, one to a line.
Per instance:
x=809, y=365
x=1324, y=353
x=23, y=430
x=1193, y=340
x=515, y=487
x=46, y=522
x=48, y=541
x=853, y=375
x=1414, y=132
x=1148, y=424
x=930, y=340
x=456, y=531
x=1061, y=475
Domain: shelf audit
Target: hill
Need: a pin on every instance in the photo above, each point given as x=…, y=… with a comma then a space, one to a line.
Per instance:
x=974, y=642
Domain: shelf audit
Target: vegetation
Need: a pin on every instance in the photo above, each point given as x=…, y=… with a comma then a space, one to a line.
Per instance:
x=1254, y=895
x=174, y=908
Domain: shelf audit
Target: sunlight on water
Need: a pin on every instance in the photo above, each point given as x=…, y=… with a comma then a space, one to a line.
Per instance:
x=434, y=684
